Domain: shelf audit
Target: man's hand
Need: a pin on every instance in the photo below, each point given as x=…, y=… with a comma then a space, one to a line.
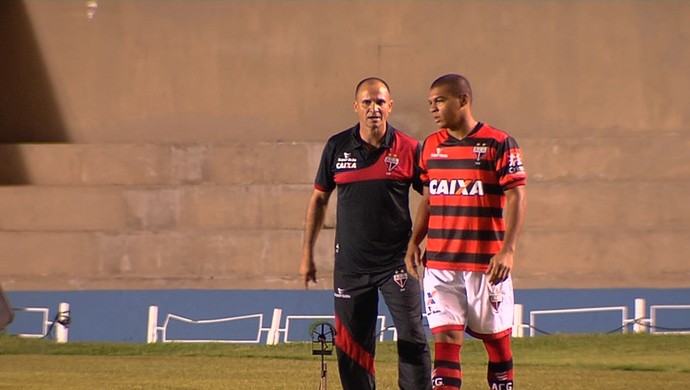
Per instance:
x=307, y=270
x=413, y=259
x=499, y=267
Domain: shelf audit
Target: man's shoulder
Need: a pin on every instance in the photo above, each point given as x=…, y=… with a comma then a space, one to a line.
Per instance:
x=404, y=137
x=436, y=137
x=493, y=132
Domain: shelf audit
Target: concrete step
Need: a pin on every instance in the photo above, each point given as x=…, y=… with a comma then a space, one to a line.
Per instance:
x=661, y=157
x=269, y=259
x=220, y=259
x=217, y=207
x=639, y=158
x=158, y=164
x=180, y=208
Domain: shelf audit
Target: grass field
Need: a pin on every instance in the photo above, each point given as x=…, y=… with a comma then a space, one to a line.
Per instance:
x=575, y=362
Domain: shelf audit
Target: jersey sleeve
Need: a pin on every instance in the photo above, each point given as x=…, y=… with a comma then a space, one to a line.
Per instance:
x=421, y=164
x=325, y=180
x=509, y=165
x=417, y=184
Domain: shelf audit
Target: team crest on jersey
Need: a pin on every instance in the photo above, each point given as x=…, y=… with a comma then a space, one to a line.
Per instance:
x=400, y=277
x=346, y=162
x=391, y=161
x=479, y=151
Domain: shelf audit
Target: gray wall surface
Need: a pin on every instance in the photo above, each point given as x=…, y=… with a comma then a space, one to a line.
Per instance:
x=173, y=144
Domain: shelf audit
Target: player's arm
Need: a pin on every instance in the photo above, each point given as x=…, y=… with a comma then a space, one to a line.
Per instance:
x=413, y=257
x=313, y=221
x=514, y=215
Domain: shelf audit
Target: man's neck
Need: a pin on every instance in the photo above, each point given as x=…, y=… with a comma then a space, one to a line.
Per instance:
x=372, y=137
x=463, y=128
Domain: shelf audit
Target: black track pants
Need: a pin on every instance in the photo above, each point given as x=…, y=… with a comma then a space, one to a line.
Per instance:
x=356, y=311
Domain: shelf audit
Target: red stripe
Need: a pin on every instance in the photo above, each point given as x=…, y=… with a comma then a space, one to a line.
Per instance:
x=346, y=343
x=474, y=267
x=489, y=336
x=463, y=246
x=447, y=328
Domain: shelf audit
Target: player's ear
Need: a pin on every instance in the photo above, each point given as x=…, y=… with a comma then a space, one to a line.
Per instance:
x=464, y=99
x=354, y=105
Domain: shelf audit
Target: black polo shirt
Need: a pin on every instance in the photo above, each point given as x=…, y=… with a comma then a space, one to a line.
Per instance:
x=373, y=221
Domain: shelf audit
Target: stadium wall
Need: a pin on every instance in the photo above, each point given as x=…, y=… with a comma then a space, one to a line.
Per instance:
x=172, y=145
x=122, y=315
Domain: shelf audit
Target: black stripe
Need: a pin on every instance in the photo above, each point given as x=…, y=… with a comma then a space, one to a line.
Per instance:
x=446, y=381
x=489, y=189
x=480, y=235
x=462, y=257
x=482, y=164
x=447, y=364
x=460, y=211
x=501, y=366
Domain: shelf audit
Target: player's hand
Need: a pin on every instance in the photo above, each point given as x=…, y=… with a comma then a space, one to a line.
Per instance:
x=307, y=270
x=499, y=267
x=413, y=260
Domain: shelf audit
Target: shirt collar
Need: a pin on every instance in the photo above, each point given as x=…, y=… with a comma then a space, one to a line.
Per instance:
x=386, y=142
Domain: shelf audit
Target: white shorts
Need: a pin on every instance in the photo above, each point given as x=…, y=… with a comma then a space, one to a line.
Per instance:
x=465, y=300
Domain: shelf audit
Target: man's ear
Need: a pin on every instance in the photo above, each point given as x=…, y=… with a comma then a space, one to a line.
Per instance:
x=464, y=99
x=354, y=105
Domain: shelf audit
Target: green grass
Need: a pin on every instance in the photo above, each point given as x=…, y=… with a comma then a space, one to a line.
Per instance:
x=572, y=362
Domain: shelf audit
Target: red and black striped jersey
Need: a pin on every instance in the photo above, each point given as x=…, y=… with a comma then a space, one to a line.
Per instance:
x=467, y=179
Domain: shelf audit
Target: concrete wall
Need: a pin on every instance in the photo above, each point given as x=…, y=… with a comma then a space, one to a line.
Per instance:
x=173, y=144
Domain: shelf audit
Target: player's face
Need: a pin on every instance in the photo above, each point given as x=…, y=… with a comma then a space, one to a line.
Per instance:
x=373, y=105
x=445, y=107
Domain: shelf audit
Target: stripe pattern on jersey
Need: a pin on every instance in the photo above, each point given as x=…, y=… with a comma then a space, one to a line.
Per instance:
x=467, y=179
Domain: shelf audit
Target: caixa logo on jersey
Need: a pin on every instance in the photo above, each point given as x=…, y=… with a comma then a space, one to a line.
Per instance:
x=346, y=162
x=467, y=187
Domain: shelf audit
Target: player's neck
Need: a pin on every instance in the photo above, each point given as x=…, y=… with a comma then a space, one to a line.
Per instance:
x=372, y=136
x=462, y=128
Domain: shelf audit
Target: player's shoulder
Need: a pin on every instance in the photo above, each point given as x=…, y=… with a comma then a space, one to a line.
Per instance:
x=405, y=138
x=435, y=138
x=489, y=131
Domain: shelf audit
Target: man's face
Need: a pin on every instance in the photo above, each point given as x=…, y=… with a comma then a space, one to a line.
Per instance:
x=444, y=107
x=373, y=105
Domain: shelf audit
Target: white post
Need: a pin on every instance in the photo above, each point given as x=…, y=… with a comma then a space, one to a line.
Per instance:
x=640, y=316
x=273, y=336
x=152, y=329
x=518, y=331
x=63, y=322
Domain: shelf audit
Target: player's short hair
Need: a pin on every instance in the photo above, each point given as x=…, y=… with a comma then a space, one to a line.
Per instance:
x=370, y=80
x=457, y=84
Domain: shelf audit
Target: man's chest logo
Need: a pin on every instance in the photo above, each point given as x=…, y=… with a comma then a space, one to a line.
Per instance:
x=391, y=161
x=346, y=162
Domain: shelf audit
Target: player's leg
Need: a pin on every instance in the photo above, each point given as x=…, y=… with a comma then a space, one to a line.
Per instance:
x=356, y=309
x=446, y=311
x=404, y=300
x=490, y=319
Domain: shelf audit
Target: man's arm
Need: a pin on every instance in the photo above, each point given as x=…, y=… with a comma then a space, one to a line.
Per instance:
x=313, y=221
x=413, y=256
x=502, y=263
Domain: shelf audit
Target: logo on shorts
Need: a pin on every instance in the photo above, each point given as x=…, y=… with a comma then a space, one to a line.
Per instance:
x=431, y=303
x=400, y=278
x=391, y=161
x=495, y=298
